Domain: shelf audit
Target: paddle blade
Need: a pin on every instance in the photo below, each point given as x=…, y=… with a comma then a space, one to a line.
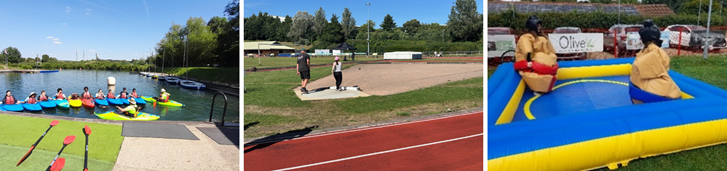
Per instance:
x=54, y=123
x=69, y=139
x=87, y=130
x=58, y=165
x=26, y=155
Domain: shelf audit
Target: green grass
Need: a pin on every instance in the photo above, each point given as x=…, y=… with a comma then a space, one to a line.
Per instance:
x=224, y=75
x=40, y=159
x=275, y=88
x=264, y=120
x=403, y=113
x=19, y=131
x=290, y=62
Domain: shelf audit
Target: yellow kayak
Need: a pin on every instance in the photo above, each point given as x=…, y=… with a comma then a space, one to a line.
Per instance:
x=111, y=115
x=170, y=103
x=75, y=103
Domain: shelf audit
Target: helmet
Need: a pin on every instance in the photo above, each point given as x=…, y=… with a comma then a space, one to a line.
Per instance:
x=532, y=23
x=650, y=32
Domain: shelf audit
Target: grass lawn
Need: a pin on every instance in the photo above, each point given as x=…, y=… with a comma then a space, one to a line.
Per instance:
x=271, y=104
x=708, y=158
x=19, y=133
x=290, y=62
x=224, y=75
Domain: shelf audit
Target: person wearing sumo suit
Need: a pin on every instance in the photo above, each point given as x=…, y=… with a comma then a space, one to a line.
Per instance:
x=535, y=58
x=650, y=80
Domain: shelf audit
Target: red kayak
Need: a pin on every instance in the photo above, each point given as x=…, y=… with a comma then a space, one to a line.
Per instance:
x=87, y=102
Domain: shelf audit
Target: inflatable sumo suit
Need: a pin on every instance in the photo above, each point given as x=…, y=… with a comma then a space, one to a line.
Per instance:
x=650, y=80
x=535, y=59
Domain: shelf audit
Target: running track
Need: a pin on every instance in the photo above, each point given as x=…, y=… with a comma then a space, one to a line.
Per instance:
x=445, y=143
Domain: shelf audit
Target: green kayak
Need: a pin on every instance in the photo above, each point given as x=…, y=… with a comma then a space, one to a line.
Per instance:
x=111, y=115
x=170, y=103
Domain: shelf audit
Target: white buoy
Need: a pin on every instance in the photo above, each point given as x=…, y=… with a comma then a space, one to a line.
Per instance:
x=112, y=81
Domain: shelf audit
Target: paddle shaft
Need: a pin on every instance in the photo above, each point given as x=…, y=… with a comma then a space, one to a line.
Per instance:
x=33, y=146
x=59, y=154
x=85, y=158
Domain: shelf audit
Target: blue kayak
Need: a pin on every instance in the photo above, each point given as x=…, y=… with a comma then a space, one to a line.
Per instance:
x=13, y=107
x=125, y=101
x=32, y=107
x=48, y=104
x=62, y=104
x=140, y=101
x=102, y=102
x=114, y=101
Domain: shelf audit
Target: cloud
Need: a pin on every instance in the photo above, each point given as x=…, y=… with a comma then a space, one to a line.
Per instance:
x=88, y=13
x=57, y=42
x=68, y=9
x=91, y=50
x=65, y=24
x=49, y=37
x=88, y=9
x=55, y=39
x=147, y=12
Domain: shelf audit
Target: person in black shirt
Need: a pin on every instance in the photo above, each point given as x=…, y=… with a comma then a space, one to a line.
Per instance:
x=303, y=67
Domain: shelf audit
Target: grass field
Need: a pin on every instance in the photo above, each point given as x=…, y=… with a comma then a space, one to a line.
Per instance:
x=224, y=75
x=271, y=104
x=708, y=158
x=290, y=62
x=19, y=133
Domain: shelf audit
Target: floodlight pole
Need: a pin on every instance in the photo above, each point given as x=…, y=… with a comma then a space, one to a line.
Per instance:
x=368, y=32
x=699, y=15
x=709, y=18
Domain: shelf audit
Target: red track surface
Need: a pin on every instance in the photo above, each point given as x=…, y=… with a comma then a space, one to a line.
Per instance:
x=476, y=57
x=447, y=143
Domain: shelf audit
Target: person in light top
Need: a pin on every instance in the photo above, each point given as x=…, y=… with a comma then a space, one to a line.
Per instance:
x=59, y=95
x=30, y=99
x=100, y=95
x=336, y=71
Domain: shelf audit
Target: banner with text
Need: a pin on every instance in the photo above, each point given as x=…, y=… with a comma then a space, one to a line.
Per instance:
x=498, y=44
x=577, y=42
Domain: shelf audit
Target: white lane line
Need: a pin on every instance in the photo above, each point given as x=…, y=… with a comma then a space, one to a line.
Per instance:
x=382, y=152
x=367, y=128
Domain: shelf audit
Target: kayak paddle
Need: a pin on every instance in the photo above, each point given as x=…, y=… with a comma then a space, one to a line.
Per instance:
x=69, y=139
x=52, y=123
x=58, y=165
x=87, y=131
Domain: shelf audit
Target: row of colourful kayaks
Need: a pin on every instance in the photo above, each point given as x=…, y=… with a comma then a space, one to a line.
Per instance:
x=173, y=80
x=90, y=103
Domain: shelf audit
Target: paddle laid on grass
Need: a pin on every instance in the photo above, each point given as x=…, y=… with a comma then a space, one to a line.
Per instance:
x=69, y=139
x=52, y=123
x=87, y=131
x=58, y=165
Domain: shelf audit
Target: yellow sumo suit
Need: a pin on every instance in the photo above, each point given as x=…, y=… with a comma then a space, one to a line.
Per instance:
x=535, y=59
x=650, y=80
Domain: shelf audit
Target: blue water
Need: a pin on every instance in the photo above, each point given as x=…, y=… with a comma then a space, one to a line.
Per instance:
x=197, y=102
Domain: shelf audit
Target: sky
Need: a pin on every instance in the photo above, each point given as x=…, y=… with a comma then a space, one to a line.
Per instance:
x=426, y=11
x=119, y=30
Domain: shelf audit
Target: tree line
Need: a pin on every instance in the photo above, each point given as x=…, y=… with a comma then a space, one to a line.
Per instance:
x=464, y=25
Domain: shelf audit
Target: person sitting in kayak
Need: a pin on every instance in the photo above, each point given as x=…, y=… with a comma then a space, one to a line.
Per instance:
x=164, y=97
x=123, y=94
x=132, y=109
x=74, y=96
x=133, y=93
x=30, y=99
x=43, y=97
x=59, y=95
x=86, y=94
x=111, y=95
x=100, y=95
x=9, y=98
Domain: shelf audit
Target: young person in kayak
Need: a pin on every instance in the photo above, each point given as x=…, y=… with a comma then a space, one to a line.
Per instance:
x=59, y=95
x=9, y=98
x=164, y=97
x=133, y=93
x=86, y=94
x=30, y=99
x=535, y=58
x=650, y=80
x=43, y=97
x=132, y=109
x=74, y=96
x=111, y=95
x=123, y=94
x=100, y=95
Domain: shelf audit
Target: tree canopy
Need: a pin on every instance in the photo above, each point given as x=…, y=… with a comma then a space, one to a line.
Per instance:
x=465, y=23
x=388, y=24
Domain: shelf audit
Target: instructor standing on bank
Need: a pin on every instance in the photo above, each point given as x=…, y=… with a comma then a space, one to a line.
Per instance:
x=303, y=67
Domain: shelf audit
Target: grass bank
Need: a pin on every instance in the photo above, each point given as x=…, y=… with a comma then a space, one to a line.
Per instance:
x=707, y=158
x=19, y=131
x=290, y=62
x=223, y=75
x=272, y=106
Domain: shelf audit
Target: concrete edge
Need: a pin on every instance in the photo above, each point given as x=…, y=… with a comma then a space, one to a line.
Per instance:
x=297, y=92
x=344, y=128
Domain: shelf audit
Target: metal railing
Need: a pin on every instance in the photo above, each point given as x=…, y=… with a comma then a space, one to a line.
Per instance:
x=224, y=111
